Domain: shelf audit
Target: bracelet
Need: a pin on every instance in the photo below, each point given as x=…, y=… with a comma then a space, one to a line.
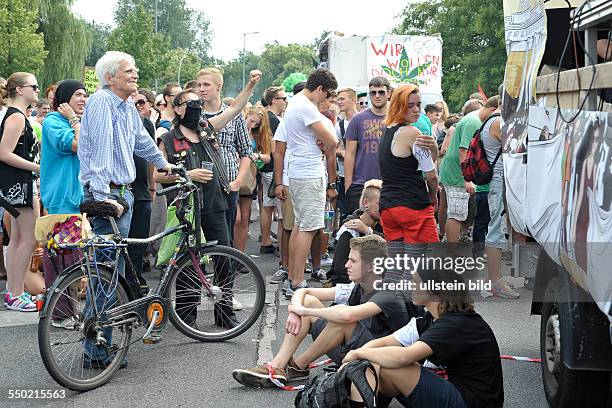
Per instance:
x=74, y=120
x=276, y=185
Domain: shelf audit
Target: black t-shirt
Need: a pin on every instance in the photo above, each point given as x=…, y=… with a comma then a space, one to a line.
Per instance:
x=212, y=196
x=140, y=186
x=274, y=122
x=465, y=344
x=396, y=309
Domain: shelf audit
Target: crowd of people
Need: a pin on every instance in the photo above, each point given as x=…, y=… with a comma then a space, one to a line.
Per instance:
x=387, y=167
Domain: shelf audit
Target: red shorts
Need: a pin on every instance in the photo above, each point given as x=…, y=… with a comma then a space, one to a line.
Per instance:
x=413, y=226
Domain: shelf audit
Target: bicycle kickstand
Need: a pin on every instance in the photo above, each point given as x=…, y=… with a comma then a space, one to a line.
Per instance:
x=150, y=337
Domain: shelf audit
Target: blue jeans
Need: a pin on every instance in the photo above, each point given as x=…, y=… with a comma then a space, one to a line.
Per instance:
x=481, y=221
x=102, y=226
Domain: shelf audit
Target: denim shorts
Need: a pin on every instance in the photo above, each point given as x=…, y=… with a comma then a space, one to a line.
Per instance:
x=433, y=391
x=496, y=235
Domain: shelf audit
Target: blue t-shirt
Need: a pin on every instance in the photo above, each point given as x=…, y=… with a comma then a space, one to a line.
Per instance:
x=423, y=124
x=60, y=189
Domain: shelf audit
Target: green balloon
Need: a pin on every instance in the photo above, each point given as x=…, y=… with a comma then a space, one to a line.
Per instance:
x=293, y=79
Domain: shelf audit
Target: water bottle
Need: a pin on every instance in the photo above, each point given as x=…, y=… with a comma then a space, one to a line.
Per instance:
x=329, y=218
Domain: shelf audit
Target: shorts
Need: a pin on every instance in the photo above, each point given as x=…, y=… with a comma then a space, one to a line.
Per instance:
x=287, y=212
x=266, y=181
x=433, y=391
x=413, y=226
x=496, y=235
x=308, y=199
x=457, y=202
x=361, y=335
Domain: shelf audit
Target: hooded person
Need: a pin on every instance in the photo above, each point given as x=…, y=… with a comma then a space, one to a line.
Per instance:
x=60, y=189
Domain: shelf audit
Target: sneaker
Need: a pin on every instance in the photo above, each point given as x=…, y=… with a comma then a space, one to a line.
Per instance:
x=319, y=275
x=308, y=269
x=465, y=238
x=266, y=249
x=294, y=373
x=280, y=275
x=22, y=303
x=326, y=260
x=236, y=305
x=291, y=289
x=259, y=376
x=286, y=286
x=69, y=323
x=500, y=289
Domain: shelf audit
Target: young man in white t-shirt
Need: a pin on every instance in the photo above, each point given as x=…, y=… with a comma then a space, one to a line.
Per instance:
x=306, y=135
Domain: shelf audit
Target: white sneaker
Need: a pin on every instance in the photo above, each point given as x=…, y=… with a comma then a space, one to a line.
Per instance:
x=319, y=275
x=236, y=305
x=326, y=261
x=69, y=323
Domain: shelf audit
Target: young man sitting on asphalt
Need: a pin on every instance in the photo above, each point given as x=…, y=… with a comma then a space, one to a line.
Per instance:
x=359, y=314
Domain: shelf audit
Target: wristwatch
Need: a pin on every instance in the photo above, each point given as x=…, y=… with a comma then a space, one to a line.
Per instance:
x=331, y=186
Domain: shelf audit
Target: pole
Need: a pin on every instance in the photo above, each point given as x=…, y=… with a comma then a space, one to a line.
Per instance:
x=179, y=68
x=243, y=59
x=244, y=56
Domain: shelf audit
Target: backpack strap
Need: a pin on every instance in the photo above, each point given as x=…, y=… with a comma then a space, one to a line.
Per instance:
x=496, y=157
x=356, y=373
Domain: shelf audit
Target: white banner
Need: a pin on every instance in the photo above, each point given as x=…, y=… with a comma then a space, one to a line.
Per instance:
x=406, y=59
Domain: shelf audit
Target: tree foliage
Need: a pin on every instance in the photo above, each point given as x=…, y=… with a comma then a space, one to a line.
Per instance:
x=184, y=27
x=99, y=42
x=136, y=36
x=21, y=47
x=473, y=43
x=276, y=62
x=67, y=40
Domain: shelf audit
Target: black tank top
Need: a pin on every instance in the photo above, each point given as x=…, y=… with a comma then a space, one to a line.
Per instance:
x=403, y=184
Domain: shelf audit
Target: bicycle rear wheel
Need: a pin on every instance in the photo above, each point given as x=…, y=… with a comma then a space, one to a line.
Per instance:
x=200, y=316
x=66, y=334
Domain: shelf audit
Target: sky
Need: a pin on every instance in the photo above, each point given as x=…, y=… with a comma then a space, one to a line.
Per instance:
x=274, y=20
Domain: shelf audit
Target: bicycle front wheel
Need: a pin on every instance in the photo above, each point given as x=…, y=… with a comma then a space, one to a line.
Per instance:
x=68, y=333
x=235, y=304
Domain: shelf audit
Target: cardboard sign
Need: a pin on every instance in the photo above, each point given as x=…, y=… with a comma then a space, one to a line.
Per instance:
x=90, y=80
x=406, y=59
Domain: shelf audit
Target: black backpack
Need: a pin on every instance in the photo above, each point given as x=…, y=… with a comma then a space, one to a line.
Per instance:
x=332, y=389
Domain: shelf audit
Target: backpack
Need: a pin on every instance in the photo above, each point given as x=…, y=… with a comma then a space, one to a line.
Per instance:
x=332, y=389
x=476, y=166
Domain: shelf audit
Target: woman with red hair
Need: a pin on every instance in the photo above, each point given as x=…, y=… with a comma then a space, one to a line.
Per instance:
x=407, y=200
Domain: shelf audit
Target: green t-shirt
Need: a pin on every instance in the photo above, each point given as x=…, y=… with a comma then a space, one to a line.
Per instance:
x=450, y=169
x=482, y=189
x=423, y=124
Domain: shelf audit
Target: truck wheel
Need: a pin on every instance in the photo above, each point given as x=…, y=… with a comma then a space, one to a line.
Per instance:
x=564, y=387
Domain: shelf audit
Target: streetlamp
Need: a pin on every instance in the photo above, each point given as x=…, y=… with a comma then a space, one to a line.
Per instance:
x=244, y=56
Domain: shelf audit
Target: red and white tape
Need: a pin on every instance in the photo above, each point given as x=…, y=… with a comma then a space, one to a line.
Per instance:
x=515, y=358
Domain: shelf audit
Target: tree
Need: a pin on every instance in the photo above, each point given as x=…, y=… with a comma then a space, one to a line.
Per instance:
x=136, y=36
x=67, y=41
x=184, y=27
x=188, y=63
x=473, y=43
x=21, y=47
x=99, y=42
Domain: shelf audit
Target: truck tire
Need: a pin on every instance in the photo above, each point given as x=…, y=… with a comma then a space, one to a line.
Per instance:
x=564, y=387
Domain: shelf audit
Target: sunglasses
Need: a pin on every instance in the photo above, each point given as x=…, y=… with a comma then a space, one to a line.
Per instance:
x=363, y=103
x=140, y=102
x=34, y=87
x=161, y=104
x=284, y=98
x=379, y=93
x=192, y=103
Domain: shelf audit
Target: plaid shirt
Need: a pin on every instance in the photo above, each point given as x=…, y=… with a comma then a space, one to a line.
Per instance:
x=234, y=143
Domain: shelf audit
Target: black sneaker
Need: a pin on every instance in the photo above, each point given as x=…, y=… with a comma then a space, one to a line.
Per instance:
x=267, y=249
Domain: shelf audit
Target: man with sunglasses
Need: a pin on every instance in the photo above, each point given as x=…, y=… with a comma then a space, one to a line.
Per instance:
x=362, y=137
x=276, y=103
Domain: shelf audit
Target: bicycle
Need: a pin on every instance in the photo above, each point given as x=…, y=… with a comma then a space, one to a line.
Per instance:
x=89, y=313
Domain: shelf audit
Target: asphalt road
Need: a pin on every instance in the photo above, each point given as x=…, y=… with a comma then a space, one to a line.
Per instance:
x=179, y=372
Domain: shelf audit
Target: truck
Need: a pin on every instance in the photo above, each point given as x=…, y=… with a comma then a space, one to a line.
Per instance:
x=356, y=59
x=558, y=179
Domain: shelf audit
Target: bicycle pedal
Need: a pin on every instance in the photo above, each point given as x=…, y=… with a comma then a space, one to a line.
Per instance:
x=152, y=339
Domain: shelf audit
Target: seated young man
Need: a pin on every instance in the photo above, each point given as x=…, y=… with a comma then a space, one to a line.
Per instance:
x=451, y=334
x=360, y=314
x=364, y=221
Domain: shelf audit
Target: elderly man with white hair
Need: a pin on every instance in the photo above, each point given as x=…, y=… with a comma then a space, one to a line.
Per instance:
x=111, y=132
